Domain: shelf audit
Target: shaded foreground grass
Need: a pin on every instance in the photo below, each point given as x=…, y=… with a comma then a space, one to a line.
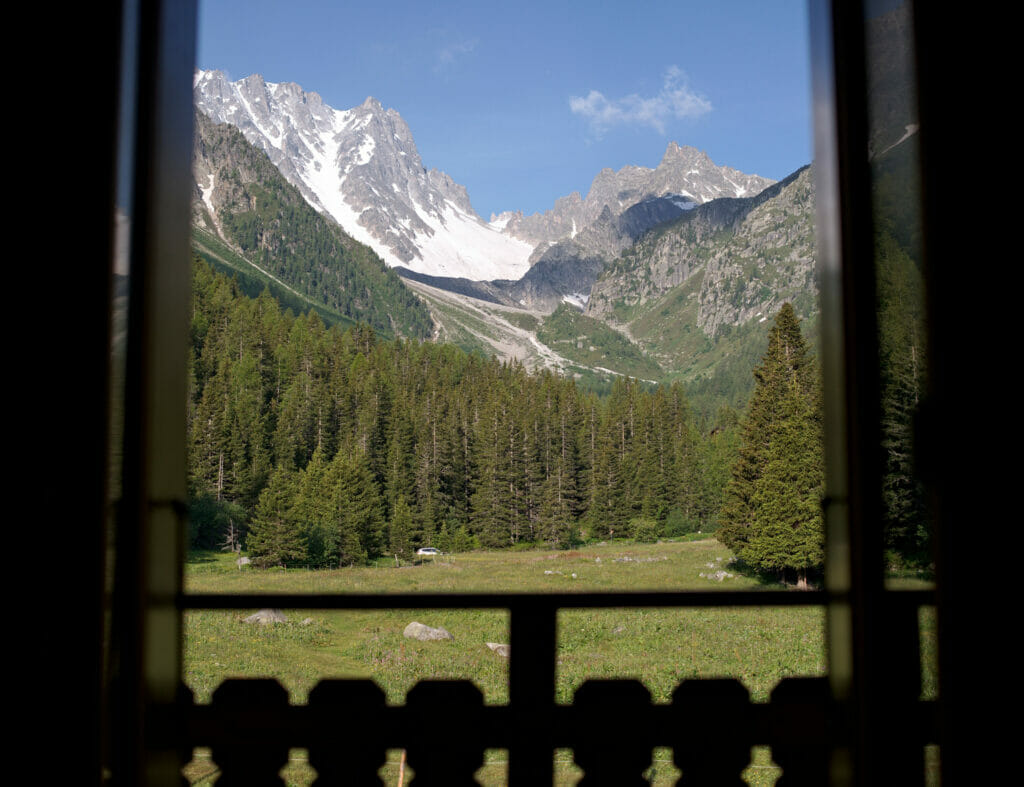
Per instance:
x=659, y=646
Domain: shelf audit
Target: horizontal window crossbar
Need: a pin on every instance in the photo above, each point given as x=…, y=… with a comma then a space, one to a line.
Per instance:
x=783, y=598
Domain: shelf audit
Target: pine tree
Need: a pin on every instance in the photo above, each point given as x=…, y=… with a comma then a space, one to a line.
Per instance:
x=274, y=537
x=400, y=530
x=312, y=511
x=771, y=517
x=357, y=510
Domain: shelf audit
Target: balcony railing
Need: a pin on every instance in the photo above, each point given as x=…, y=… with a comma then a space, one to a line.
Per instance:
x=611, y=726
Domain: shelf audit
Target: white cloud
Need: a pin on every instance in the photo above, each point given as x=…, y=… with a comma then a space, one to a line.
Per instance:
x=675, y=100
x=446, y=56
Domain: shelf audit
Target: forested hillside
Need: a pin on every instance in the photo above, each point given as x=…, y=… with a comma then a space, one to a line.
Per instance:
x=329, y=447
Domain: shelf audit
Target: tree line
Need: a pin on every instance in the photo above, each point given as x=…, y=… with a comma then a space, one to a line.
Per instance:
x=325, y=447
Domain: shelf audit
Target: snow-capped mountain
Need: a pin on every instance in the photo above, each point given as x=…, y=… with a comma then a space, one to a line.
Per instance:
x=361, y=167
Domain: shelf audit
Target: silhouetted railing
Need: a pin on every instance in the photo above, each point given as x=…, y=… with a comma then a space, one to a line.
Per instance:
x=611, y=726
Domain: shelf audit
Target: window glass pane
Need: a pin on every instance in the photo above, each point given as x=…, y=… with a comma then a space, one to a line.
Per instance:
x=893, y=126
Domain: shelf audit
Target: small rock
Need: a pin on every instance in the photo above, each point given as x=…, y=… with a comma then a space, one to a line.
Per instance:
x=423, y=633
x=574, y=575
x=500, y=648
x=597, y=560
x=307, y=622
x=265, y=616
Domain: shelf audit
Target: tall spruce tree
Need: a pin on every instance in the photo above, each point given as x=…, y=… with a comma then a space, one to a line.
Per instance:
x=274, y=537
x=771, y=517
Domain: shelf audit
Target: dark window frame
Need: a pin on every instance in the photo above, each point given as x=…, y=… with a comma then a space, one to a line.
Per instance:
x=873, y=719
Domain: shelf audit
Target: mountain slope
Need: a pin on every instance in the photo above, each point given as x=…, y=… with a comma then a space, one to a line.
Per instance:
x=691, y=300
x=245, y=213
x=566, y=270
x=738, y=241
x=697, y=293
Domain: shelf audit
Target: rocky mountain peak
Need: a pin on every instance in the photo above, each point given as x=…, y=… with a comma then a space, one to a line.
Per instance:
x=686, y=154
x=684, y=171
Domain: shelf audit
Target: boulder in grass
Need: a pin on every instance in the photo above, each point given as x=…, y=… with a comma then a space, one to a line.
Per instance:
x=500, y=648
x=425, y=633
x=267, y=616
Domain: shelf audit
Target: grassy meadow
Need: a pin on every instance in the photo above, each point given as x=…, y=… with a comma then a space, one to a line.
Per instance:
x=659, y=646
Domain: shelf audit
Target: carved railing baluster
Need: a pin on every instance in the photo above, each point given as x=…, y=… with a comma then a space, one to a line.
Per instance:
x=613, y=732
x=347, y=716
x=533, y=630
x=446, y=732
x=244, y=754
x=179, y=721
x=713, y=724
x=803, y=721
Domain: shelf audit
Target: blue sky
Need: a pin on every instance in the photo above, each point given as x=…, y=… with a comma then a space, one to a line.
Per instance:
x=524, y=102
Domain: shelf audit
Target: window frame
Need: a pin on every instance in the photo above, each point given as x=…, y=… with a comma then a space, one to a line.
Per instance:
x=145, y=722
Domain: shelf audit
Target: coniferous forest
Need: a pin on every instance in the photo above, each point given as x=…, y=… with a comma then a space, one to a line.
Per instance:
x=316, y=446
x=320, y=447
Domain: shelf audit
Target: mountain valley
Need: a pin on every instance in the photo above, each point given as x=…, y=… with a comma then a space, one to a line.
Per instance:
x=671, y=273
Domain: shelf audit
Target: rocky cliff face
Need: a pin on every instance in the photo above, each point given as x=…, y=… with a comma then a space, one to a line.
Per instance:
x=565, y=271
x=770, y=259
x=230, y=179
x=752, y=255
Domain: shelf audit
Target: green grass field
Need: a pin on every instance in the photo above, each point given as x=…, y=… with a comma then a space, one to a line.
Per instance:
x=659, y=646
